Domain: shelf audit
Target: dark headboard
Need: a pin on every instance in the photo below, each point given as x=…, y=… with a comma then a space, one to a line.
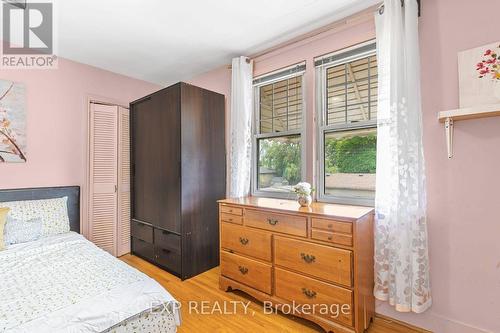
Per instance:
x=72, y=192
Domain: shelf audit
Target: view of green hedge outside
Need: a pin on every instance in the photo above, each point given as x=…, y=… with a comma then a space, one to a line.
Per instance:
x=279, y=162
x=352, y=152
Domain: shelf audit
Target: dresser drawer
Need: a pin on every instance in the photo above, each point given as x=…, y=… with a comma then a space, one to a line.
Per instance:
x=167, y=240
x=303, y=290
x=231, y=210
x=142, y=231
x=247, y=271
x=325, y=262
x=168, y=259
x=142, y=248
x=247, y=241
x=231, y=218
x=332, y=237
x=331, y=225
x=287, y=224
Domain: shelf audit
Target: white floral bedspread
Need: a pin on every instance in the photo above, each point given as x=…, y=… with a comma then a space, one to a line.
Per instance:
x=65, y=283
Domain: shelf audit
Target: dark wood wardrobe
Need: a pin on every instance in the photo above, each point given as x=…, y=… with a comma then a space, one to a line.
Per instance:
x=178, y=164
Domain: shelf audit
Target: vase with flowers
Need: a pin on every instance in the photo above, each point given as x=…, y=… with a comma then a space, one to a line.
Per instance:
x=303, y=191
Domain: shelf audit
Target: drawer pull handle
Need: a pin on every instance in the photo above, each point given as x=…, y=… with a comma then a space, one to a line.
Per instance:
x=272, y=221
x=230, y=220
x=243, y=270
x=243, y=241
x=309, y=293
x=330, y=237
x=166, y=251
x=308, y=258
x=330, y=226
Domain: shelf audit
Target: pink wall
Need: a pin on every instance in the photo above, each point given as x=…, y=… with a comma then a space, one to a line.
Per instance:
x=56, y=121
x=463, y=220
x=464, y=224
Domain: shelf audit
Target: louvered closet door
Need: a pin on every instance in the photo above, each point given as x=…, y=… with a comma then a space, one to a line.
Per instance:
x=103, y=176
x=123, y=231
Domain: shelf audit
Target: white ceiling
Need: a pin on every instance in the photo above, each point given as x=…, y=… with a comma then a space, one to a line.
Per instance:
x=166, y=41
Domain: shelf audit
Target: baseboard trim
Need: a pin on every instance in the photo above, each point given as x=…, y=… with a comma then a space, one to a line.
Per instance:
x=413, y=328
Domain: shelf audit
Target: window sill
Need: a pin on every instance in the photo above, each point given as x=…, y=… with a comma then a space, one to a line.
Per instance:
x=347, y=201
x=274, y=195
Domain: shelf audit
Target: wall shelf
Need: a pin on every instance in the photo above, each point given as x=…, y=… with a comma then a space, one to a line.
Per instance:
x=448, y=117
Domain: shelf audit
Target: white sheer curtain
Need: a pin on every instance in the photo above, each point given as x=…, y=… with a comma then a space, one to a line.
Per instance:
x=401, y=255
x=240, y=128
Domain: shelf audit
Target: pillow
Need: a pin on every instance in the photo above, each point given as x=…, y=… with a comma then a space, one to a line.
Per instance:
x=52, y=212
x=3, y=218
x=18, y=231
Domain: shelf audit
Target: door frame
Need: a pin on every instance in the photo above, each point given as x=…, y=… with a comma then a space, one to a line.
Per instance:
x=85, y=188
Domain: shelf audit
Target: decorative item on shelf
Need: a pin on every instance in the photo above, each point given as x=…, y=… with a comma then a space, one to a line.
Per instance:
x=489, y=69
x=303, y=191
x=479, y=81
x=479, y=76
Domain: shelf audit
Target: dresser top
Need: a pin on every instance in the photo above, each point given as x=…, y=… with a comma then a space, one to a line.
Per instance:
x=316, y=208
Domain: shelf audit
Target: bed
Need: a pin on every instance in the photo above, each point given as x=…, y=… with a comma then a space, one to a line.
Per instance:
x=64, y=283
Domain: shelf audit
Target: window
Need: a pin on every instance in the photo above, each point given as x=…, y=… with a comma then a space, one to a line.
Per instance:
x=347, y=127
x=278, y=164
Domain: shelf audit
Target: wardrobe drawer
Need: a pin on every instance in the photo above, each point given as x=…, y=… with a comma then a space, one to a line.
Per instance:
x=231, y=218
x=247, y=241
x=303, y=290
x=287, y=224
x=142, y=231
x=142, y=248
x=331, y=225
x=168, y=259
x=231, y=210
x=247, y=271
x=325, y=262
x=167, y=240
x=332, y=237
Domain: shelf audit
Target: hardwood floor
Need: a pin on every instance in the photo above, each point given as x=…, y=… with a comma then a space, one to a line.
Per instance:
x=205, y=287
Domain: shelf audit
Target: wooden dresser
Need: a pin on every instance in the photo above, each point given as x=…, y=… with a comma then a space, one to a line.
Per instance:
x=319, y=257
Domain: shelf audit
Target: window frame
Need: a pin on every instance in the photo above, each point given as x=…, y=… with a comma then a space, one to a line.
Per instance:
x=366, y=49
x=256, y=135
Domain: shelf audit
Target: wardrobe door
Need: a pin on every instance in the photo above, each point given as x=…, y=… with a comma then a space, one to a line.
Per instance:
x=169, y=160
x=203, y=177
x=103, y=176
x=123, y=230
x=156, y=159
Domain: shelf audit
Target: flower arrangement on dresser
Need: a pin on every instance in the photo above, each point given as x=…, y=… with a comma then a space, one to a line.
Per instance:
x=303, y=191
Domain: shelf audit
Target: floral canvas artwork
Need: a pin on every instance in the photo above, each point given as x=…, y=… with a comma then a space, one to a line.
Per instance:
x=12, y=122
x=479, y=75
